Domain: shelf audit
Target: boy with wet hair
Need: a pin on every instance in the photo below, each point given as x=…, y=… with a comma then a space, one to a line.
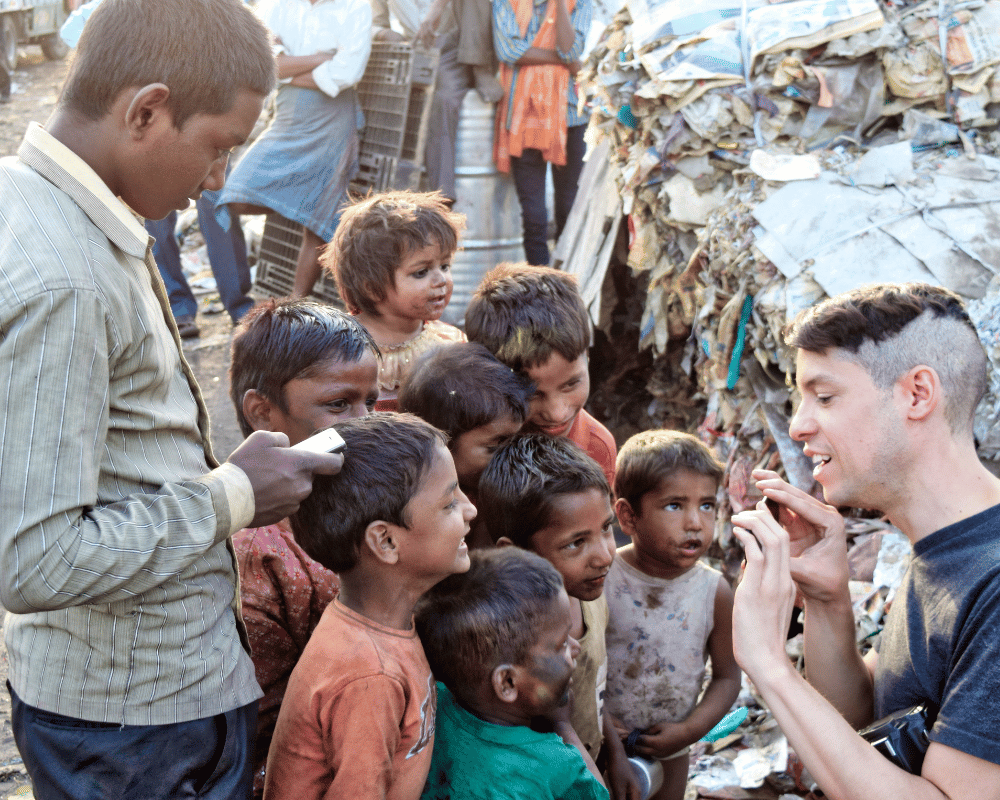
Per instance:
x=544, y=494
x=889, y=377
x=463, y=390
x=284, y=344
x=534, y=320
x=498, y=642
x=297, y=366
x=124, y=638
x=668, y=610
x=358, y=715
x=391, y=256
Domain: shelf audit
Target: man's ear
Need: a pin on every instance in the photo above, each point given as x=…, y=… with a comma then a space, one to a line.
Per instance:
x=378, y=539
x=257, y=410
x=921, y=388
x=504, y=680
x=626, y=516
x=147, y=108
x=504, y=541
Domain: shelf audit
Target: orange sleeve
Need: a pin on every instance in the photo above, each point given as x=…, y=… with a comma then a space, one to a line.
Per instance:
x=361, y=733
x=597, y=441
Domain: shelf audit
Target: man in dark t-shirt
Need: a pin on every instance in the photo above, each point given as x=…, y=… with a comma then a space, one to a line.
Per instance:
x=890, y=376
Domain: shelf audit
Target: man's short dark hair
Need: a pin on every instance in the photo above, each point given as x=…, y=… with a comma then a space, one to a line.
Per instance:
x=523, y=314
x=204, y=51
x=524, y=478
x=647, y=459
x=460, y=387
x=889, y=328
x=471, y=623
x=377, y=232
x=386, y=458
x=281, y=340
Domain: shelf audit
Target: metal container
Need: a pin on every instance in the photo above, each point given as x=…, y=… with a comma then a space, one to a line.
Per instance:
x=649, y=774
x=489, y=201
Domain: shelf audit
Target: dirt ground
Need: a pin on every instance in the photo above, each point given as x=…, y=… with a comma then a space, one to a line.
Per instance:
x=35, y=90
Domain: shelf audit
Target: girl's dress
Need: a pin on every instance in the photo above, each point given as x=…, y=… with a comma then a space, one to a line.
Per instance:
x=398, y=360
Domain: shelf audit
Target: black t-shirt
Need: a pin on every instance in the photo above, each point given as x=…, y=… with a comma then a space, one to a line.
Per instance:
x=941, y=643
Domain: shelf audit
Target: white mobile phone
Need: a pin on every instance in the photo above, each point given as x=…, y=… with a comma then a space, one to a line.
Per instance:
x=326, y=441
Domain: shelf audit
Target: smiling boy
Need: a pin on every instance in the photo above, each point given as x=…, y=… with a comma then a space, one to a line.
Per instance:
x=889, y=376
x=124, y=634
x=534, y=320
x=358, y=715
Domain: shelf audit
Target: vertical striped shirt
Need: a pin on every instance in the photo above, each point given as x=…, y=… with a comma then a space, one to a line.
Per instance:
x=114, y=515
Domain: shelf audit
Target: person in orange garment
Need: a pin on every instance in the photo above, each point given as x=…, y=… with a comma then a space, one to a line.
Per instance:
x=359, y=713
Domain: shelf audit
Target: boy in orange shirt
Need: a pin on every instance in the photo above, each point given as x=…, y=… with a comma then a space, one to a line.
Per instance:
x=358, y=716
x=534, y=320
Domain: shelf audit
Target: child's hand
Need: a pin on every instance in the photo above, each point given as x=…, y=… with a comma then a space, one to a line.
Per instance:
x=622, y=781
x=619, y=726
x=663, y=739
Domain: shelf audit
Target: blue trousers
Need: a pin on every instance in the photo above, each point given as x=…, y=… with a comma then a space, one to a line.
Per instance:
x=528, y=171
x=227, y=254
x=209, y=759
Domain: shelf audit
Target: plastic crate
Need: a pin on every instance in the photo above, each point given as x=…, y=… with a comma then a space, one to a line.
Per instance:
x=395, y=95
x=279, y=252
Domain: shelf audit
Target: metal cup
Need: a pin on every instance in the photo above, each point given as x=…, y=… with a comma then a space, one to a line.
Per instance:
x=648, y=773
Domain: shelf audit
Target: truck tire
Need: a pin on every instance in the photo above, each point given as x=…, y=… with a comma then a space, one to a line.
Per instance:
x=8, y=42
x=54, y=48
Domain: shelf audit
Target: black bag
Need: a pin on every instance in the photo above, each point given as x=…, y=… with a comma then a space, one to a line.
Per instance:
x=902, y=737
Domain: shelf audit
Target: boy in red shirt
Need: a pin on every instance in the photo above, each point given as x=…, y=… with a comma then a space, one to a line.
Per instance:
x=534, y=320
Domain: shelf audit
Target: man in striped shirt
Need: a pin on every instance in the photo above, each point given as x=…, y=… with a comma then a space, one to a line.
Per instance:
x=128, y=659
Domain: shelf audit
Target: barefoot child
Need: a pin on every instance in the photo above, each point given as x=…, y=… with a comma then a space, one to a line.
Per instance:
x=297, y=367
x=357, y=719
x=497, y=639
x=544, y=494
x=534, y=320
x=669, y=611
x=391, y=257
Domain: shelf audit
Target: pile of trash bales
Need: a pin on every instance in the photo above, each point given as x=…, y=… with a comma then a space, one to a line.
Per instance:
x=769, y=155
x=760, y=157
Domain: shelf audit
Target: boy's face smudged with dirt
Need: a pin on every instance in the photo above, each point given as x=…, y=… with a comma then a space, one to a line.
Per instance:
x=545, y=677
x=579, y=541
x=674, y=524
